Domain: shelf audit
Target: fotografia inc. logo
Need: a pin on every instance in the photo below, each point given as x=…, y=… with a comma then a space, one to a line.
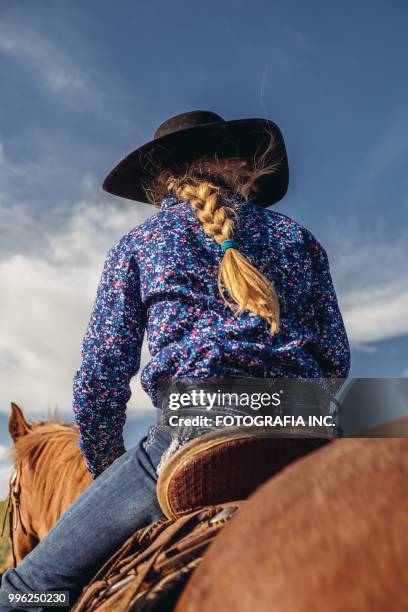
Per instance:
x=208, y=400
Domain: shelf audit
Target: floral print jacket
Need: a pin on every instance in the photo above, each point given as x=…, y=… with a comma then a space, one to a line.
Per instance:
x=161, y=278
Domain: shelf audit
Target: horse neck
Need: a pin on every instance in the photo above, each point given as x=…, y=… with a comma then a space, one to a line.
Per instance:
x=58, y=477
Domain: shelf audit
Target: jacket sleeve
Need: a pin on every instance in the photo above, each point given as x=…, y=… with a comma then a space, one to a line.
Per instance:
x=110, y=358
x=335, y=350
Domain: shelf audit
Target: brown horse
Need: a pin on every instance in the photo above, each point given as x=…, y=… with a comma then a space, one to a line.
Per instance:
x=49, y=474
x=329, y=533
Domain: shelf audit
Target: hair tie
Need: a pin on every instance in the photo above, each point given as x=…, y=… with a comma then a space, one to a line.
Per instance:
x=228, y=244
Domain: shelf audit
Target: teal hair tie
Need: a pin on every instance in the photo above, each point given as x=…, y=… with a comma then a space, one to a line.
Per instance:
x=228, y=244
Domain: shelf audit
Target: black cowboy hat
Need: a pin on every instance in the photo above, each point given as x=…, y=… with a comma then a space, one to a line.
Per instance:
x=198, y=134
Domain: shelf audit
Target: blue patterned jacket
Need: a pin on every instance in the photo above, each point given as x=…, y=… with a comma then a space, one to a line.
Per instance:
x=161, y=278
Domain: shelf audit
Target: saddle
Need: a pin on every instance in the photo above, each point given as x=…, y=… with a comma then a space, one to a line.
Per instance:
x=195, y=488
x=150, y=570
x=227, y=464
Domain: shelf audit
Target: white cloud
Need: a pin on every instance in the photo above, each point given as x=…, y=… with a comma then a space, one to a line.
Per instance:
x=377, y=315
x=372, y=290
x=3, y=452
x=30, y=203
x=70, y=75
x=46, y=305
x=5, y=474
x=369, y=249
x=47, y=60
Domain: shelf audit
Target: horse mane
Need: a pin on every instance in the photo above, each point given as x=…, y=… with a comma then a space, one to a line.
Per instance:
x=58, y=468
x=42, y=433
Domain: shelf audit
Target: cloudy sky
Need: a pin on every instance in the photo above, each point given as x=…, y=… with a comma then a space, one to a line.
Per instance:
x=84, y=83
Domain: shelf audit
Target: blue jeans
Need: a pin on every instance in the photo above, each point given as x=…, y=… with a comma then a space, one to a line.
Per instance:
x=118, y=502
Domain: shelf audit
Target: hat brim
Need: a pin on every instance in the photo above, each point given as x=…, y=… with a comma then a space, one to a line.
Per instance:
x=237, y=138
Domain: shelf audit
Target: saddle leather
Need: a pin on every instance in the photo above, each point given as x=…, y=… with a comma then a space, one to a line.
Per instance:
x=151, y=568
x=218, y=467
x=194, y=488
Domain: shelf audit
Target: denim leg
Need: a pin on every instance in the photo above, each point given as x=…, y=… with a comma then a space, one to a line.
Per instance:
x=118, y=502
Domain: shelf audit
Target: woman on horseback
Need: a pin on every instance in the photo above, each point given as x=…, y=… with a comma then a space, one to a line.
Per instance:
x=223, y=286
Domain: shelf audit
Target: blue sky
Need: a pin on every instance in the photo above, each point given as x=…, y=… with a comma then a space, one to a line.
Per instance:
x=84, y=83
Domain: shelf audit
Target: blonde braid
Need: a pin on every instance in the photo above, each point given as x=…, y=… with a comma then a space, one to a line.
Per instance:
x=248, y=288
